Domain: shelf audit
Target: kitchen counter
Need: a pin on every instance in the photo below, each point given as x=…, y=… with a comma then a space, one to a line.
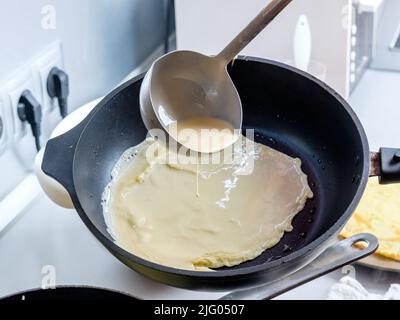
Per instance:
x=47, y=235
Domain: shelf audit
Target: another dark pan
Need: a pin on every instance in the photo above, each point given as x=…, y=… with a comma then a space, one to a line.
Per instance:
x=291, y=112
x=83, y=294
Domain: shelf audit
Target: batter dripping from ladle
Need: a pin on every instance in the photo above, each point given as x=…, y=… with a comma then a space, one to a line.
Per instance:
x=203, y=135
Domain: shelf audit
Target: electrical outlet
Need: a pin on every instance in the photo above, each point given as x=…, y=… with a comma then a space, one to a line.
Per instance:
x=33, y=76
x=13, y=90
x=51, y=57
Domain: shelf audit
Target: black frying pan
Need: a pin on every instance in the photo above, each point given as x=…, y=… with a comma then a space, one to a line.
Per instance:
x=291, y=111
x=84, y=294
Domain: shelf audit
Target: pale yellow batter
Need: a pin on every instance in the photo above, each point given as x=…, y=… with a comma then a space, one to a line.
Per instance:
x=152, y=210
x=203, y=134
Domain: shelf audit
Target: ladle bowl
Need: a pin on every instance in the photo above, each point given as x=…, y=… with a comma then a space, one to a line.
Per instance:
x=186, y=84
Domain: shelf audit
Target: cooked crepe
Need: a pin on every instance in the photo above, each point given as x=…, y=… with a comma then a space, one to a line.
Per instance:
x=378, y=213
x=154, y=210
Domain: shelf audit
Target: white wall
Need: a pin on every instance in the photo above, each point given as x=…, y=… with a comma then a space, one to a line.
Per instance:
x=208, y=25
x=102, y=39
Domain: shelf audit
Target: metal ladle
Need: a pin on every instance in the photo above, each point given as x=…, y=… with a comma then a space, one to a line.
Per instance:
x=187, y=84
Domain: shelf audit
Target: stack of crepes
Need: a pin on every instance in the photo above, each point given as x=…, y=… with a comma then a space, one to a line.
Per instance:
x=378, y=213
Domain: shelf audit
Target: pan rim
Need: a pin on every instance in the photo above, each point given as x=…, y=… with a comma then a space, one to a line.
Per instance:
x=250, y=270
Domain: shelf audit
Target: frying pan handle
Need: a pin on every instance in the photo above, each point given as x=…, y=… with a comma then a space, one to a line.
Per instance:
x=338, y=255
x=53, y=165
x=53, y=189
x=386, y=165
